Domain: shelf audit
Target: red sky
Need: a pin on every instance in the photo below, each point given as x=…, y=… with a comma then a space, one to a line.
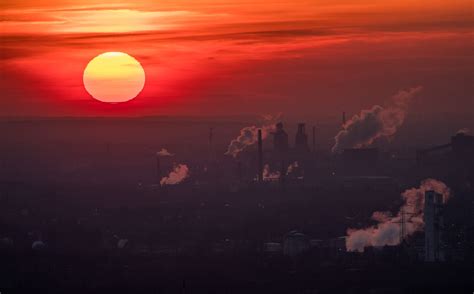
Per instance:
x=302, y=58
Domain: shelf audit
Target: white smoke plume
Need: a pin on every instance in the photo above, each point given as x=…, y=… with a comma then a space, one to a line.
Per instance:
x=164, y=152
x=249, y=135
x=363, y=129
x=268, y=175
x=463, y=131
x=387, y=229
x=176, y=176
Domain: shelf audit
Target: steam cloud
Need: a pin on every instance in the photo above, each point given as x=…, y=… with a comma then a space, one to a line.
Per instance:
x=164, y=152
x=268, y=175
x=363, y=129
x=463, y=131
x=387, y=229
x=176, y=176
x=249, y=135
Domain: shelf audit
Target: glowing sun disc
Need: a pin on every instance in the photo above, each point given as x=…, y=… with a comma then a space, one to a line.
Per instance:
x=114, y=77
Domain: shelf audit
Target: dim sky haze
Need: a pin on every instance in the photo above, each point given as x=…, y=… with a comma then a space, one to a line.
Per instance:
x=208, y=58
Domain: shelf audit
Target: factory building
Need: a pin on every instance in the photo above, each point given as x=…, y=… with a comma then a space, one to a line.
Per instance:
x=295, y=243
x=301, y=139
x=361, y=156
x=462, y=149
x=433, y=218
x=280, y=139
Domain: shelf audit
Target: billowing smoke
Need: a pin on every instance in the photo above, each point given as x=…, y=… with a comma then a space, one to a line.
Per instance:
x=176, y=176
x=268, y=175
x=387, y=229
x=164, y=152
x=363, y=129
x=463, y=131
x=249, y=135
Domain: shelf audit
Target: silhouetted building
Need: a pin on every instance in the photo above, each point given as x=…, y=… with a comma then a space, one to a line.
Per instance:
x=301, y=140
x=433, y=224
x=295, y=243
x=280, y=139
x=361, y=156
x=463, y=147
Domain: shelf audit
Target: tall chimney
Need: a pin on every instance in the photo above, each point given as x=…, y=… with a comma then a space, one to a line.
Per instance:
x=239, y=171
x=260, y=156
x=211, y=147
x=314, y=139
x=343, y=119
x=158, y=168
x=283, y=170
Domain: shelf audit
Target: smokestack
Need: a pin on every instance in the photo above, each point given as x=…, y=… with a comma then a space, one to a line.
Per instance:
x=210, y=136
x=158, y=168
x=211, y=147
x=239, y=171
x=301, y=139
x=343, y=119
x=260, y=156
x=283, y=171
x=314, y=139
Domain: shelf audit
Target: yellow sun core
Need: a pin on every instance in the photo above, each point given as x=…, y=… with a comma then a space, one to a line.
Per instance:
x=114, y=77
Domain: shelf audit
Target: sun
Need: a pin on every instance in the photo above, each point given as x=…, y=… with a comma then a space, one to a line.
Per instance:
x=114, y=77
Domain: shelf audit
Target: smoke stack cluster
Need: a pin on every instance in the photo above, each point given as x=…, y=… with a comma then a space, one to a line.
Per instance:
x=363, y=129
x=388, y=228
x=176, y=176
x=249, y=135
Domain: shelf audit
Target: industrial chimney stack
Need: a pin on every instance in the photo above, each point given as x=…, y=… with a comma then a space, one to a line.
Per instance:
x=343, y=119
x=260, y=156
x=158, y=168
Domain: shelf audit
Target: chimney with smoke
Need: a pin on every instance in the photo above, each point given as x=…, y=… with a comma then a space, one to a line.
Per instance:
x=363, y=129
x=387, y=230
x=248, y=135
x=158, y=168
x=260, y=156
